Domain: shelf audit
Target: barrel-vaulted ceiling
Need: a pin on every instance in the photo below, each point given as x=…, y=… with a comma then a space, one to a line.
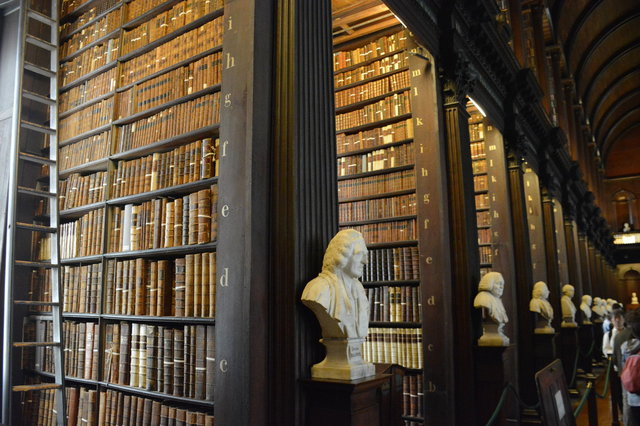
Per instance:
x=601, y=42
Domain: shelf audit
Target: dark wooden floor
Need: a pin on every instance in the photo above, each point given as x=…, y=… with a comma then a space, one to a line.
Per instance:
x=604, y=405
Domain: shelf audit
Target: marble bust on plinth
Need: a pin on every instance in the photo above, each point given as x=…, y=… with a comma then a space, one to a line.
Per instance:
x=568, y=308
x=585, y=307
x=540, y=305
x=634, y=298
x=338, y=300
x=494, y=316
x=598, y=309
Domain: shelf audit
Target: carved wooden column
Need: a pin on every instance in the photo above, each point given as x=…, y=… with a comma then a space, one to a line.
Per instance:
x=561, y=106
x=463, y=232
x=571, y=118
x=515, y=15
x=593, y=271
x=535, y=226
x=537, y=10
x=551, y=253
x=573, y=258
x=303, y=193
x=561, y=245
x=584, y=262
x=524, y=278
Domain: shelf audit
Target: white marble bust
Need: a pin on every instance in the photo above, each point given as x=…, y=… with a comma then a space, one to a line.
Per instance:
x=568, y=308
x=598, y=308
x=340, y=304
x=585, y=307
x=494, y=316
x=634, y=298
x=542, y=308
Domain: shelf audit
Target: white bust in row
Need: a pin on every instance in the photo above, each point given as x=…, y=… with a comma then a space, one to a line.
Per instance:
x=540, y=305
x=494, y=316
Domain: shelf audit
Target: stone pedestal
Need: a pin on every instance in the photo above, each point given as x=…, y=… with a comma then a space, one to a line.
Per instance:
x=362, y=402
x=567, y=349
x=490, y=381
x=343, y=361
x=544, y=349
x=585, y=340
x=597, y=338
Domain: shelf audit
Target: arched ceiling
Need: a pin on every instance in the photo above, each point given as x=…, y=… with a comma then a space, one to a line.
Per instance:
x=601, y=43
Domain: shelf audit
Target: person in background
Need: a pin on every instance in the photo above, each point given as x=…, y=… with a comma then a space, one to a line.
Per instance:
x=628, y=348
x=617, y=320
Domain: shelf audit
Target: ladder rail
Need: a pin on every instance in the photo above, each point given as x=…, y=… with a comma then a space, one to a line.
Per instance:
x=7, y=336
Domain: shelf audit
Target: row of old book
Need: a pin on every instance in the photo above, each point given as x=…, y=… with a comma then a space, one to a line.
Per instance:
x=173, y=121
x=486, y=255
x=188, y=163
x=484, y=236
x=82, y=237
x=392, y=264
x=82, y=287
x=69, y=6
x=78, y=190
x=67, y=27
x=178, y=49
x=88, y=407
x=476, y=133
x=40, y=288
x=88, y=90
x=376, y=48
x=394, y=304
x=178, y=361
x=479, y=166
x=139, y=7
x=166, y=22
x=481, y=182
x=89, y=118
x=93, y=148
x=377, y=208
x=483, y=218
x=412, y=395
x=376, y=185
x=181, y=287
x=377, y=68
x=482, y=201
x=103, y=26
x=477, y=150
x=193, y=77
x=379, y=136
x=387, y=232
x=90, y=60
x=392, y=106
x=373, y=89
x=402, y=346
x=380, y=159
x=164, y=223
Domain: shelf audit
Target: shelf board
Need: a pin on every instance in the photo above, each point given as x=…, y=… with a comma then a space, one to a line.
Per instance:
x=486, y=265
x=90, y=22
x=91, y=166
x=414, y=370
x=164, y=320
x=377, y=196
x=356, y=105
x=413, y=419
x=406, y=243
x=88, y=76
x=85, y=135
x=172, y=67
x=482, y=209
x=149, y=14
x=166, y=144
x=84, y=259
x=480, y=191
x=113, y=34
x=383, y=220
x=87, y=104
x=159, y=395
x=368, y=61
x=375, y=124
x=399, y=283
x=394, y=324
x=164, y=252
x=484, y=244
x=374, y=148
x=476, y=140
x=484, y=227
x=370, y=79
x=156, y=109
x=79, y=211
x=183, y=189
x=480, y=174
x=80, y=315
x=168, y=37
x=376, y=172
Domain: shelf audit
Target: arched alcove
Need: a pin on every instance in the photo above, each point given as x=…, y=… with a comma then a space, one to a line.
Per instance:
x=625, y=207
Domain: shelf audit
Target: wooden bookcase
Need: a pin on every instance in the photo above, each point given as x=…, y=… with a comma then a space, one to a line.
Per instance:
x=139, y=125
